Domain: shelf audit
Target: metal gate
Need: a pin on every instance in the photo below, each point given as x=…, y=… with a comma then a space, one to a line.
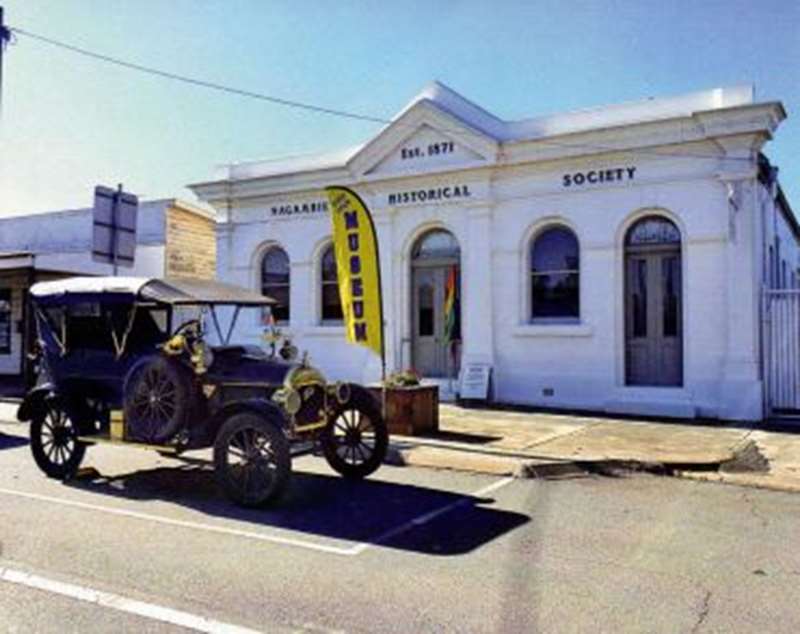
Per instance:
x=781, y=331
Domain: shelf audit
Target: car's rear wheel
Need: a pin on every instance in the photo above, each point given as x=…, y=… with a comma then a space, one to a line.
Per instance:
x=356, y=439
x=54, y=441
x=252, y=460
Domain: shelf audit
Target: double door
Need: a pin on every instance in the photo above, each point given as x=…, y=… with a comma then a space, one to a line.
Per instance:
x=432, y=355
x=653, y=325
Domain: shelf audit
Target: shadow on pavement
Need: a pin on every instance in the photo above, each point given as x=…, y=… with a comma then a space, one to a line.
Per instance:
x=329, y=506
x=464, y=437
x=11, y=442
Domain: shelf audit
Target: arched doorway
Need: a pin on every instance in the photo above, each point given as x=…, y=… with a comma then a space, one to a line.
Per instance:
x=653, y=303
x=436, y=304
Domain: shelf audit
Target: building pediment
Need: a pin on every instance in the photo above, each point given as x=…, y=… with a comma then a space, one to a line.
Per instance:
x=424, y=139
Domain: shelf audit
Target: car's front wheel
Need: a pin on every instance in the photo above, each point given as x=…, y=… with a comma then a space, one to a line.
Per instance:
x=252, y=461
x=356, y=439
x=54, y=441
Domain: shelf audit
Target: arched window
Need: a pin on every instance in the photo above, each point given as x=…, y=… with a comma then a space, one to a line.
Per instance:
x=331, y=303
x=438, y=244
x=653, y=230
x=555, y=271
x=275, y=281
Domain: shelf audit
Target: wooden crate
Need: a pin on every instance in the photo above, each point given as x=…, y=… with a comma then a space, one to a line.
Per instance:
x=411, y=411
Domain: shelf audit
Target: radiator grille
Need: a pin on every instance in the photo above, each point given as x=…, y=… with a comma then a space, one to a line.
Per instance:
x=313, y=397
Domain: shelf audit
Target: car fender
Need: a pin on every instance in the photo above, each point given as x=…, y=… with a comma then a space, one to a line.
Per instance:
x=269, y=410
x=34, y=402
x=354, y=389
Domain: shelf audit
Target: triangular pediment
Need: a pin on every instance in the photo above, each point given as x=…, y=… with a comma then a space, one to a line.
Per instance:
x=424, y=138
x=427, y=149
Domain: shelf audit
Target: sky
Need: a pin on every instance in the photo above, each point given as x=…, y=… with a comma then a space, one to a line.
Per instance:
x=69, y=123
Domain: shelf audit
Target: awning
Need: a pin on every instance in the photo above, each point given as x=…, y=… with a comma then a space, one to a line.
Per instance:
x=10, y=260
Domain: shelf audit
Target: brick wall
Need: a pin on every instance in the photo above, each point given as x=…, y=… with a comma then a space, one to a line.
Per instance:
x=191, y=246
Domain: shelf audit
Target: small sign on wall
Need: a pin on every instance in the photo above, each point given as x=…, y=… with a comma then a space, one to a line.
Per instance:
x=474, y=381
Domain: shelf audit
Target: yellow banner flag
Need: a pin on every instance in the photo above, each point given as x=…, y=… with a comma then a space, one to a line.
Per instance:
x=356, y=247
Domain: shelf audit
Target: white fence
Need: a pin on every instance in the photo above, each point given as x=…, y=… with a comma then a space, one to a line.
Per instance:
x=781, y=331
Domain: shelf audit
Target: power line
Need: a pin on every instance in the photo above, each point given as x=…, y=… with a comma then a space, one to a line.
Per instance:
x=332, y=111
x=199, y=82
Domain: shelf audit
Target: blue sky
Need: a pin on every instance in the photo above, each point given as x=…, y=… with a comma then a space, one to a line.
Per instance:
x=70, y=122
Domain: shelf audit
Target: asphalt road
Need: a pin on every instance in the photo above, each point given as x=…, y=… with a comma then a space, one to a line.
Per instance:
x=151, y=546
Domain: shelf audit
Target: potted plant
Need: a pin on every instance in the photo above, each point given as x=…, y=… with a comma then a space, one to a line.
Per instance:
x=411, y=407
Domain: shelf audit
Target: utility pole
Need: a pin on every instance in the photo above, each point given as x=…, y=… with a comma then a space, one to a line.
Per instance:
x=5, y=35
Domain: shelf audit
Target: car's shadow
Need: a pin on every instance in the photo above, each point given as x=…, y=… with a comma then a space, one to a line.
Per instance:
x=330, y=507
x=11, y=442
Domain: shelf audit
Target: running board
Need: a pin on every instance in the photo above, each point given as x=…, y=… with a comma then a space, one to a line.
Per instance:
x=106, y=439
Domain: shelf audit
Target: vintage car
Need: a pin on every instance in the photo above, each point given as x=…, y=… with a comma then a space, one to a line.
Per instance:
x=114, y=367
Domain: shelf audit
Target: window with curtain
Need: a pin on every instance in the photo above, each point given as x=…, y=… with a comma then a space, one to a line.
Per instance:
x=554, y=269
x=275, y=272
x=331, y=303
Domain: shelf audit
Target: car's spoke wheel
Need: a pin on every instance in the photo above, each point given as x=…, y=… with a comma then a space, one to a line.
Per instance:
x=157, y=400
x=54, y=442
x=252, y=460
x=355, y=440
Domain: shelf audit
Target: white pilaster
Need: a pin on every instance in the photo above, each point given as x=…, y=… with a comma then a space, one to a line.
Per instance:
x=741, y=390
x=477, y=288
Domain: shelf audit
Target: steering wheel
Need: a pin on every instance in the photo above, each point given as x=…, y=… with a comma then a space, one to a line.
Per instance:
x=191, y=328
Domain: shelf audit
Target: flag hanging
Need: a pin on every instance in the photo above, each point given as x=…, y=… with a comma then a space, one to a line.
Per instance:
x=451, y=325
x=358, y=267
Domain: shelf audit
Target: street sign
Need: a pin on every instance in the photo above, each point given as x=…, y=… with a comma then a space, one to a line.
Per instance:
x=114, y=231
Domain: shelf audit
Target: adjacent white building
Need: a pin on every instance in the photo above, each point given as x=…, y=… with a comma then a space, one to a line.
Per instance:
x=174, y=237
x=610, y=259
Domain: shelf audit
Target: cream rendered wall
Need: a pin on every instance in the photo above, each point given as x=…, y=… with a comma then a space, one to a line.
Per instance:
x=583, y=364
x=695, y=163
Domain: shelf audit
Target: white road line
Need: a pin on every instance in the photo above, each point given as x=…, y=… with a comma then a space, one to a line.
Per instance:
x=427, y=517
x=492, y=487
x=285, y=541
x=122, y=604
x=352, y=551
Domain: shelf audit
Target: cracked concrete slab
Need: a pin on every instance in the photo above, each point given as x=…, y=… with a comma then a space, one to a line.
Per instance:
x=507, y=429
x=550, y=444
x=782, y=452
x=627, y=440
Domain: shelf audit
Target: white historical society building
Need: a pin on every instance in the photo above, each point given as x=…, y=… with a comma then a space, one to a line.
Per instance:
x=617, y=259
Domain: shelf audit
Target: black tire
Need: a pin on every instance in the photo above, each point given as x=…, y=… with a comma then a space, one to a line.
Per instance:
x=158, y=399
x=54, y=441
x=356, y=439
x=252, y=461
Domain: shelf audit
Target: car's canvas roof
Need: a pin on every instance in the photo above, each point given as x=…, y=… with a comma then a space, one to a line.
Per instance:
x=175, y=291
x=184, y=290
x=89, y=285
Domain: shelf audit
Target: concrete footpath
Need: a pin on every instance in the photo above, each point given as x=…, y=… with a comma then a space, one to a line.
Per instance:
x=550, y=445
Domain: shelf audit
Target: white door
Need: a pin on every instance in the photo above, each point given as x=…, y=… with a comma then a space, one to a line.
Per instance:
x=653, y=329
x=430, y=358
